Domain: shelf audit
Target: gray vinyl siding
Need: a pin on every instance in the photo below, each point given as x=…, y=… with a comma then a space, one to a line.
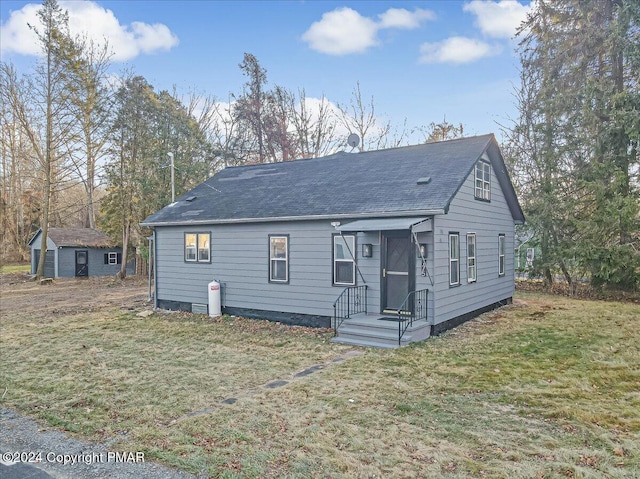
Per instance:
x=487, y=220
x=61, y=262
x=240, y=260
x=96, y=266
x=36, y=243
x=49, y=263
x=67, y=262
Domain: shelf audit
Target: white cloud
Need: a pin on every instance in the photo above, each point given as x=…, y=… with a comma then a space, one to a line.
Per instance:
x=402, y=18
x=16, y=36
x=498, y=19
x=341, y=32
x=344, y=30
x=456, y=50
x=90, y=19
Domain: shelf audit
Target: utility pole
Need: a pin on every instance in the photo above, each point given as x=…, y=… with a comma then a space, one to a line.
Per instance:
x=173, y=178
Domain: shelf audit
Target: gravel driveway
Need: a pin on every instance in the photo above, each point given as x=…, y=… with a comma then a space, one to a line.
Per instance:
x=92, y=461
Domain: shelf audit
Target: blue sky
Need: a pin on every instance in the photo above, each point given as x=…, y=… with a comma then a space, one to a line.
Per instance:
x=420, y=60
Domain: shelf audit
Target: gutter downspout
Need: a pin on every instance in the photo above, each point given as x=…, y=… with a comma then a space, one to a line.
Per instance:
x=150, y=239
x=155, y=270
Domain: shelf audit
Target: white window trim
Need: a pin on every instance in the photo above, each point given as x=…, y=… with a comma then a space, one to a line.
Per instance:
x=113, y=257
x=197, y=248
x=474, y=278
x=285, y=259
x=346, y=260
x=501, y=256
x=530, y=256
x=207, y=248
x=455, y=261
x=484, y=191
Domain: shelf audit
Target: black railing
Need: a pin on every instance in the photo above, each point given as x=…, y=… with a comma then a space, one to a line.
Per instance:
x=352, y=300
x=414, y=308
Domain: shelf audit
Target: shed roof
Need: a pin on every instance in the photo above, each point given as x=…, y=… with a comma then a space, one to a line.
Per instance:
x=380, y=183
x=87, y=237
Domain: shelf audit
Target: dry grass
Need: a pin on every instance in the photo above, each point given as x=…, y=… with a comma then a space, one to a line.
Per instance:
x=546, y=388
x=15, y=268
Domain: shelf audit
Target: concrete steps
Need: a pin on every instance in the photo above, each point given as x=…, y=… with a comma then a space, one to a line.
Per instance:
x=372, y=331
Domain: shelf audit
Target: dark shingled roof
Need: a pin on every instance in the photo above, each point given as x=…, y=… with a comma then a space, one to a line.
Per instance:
x=372, y=183
x=86, y=237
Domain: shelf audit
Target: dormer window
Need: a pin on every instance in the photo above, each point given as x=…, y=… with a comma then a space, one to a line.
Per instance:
x=483, y=181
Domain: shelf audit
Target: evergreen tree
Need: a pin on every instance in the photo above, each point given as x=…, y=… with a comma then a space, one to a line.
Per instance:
x=576, y=141
x=147, y=127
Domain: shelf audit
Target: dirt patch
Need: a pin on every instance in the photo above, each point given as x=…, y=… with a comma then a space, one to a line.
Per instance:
x=23, y=296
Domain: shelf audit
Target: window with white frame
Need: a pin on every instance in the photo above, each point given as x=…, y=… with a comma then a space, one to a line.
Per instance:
x=531, y=254
x=344, y=266
x=197, y=247
x=204, y=250
x=501, y=250
x=454, y=259
x=279, y=258
x=483, y=181
x=471, y=258
x=113, y=258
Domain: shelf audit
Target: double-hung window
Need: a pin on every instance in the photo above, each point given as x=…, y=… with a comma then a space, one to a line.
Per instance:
x=112, y=258
x=454, y=259
x=344, y=266
x=279, y=258
x=471, y=258
x=483, y=181
x=197, y=247
x=501, y=250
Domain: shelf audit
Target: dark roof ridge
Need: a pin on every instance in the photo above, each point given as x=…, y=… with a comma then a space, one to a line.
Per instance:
x=340, y=185
x=450, y=140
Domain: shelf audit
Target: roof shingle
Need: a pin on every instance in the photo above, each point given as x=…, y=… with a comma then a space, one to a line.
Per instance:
x=80, y=237
x=381, y=182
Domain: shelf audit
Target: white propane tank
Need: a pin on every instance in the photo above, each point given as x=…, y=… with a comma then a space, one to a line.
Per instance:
x=214, y=299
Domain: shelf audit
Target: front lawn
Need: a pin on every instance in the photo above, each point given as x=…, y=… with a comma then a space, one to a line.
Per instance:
x=15, y=268
x=546, y=388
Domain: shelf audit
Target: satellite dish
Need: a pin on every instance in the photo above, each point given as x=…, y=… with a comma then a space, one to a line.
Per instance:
x=353, y=141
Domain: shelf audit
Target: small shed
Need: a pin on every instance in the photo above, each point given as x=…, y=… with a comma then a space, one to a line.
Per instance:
x=77, y=252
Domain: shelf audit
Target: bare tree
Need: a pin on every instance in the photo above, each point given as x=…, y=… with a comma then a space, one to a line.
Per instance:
x=231, y=144
x=47, y=95
x=359, y=117
x=91, y=100
x=314, y=129
x=251, y=105
x=19, y=188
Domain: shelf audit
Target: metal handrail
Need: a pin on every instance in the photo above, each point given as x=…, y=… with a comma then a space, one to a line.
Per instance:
x=349, y=302
x=408, y=313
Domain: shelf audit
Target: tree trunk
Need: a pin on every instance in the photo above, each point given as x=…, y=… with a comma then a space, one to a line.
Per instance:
x=125, y=249
x=47, y=169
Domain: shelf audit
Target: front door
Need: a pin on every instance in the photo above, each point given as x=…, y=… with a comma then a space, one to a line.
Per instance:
x=82, y=263
x=397, y=265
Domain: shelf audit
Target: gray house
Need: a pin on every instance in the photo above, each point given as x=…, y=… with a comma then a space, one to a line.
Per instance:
x=77, y=252
x=387, y=247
